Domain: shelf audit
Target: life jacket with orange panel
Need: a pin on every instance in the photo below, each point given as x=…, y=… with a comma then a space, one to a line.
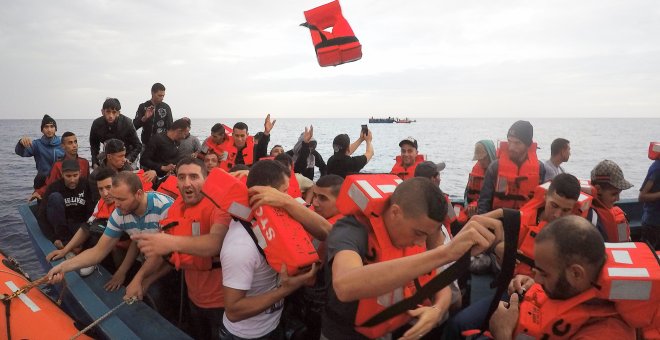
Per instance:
x=630, y=279
x=294, y=187
x=515, y=185
x=409, y=172
x=475, y=181
x=614, y=220
x=336, y=47
x=146, y=185
x=169, y=187
x=232, y=152
x=654, y=151
x=366, y=197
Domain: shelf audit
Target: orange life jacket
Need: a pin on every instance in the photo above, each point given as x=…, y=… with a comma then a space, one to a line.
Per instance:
x=169, y=187
x=104, y=210
x=409, y=172
x=146, y=185
x=230, y=148
x=613, y=220
x=213, y=147
x=365, y=197
x=336, y=47
x=294, y=188
x=515, y=185
x=630, y=279
x=451, y=218
x=654, y=150
x=475, y=181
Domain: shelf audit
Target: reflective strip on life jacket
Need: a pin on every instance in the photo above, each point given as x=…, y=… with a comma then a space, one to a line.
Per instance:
x=515, y=185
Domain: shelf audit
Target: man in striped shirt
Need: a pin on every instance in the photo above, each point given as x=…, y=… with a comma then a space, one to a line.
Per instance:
x=136, y=212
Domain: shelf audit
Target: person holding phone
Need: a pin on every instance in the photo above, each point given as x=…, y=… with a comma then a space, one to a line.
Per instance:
x=341, y=162
x=154, y=116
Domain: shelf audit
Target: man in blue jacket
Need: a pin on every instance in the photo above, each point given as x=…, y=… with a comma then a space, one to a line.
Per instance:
x=45, y=150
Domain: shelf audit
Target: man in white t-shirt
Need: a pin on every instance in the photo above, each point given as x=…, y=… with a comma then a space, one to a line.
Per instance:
x=252, y=289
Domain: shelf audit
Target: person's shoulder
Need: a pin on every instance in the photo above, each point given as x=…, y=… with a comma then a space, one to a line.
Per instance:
x=98, y=122
x=160, y=200
x=612, y=327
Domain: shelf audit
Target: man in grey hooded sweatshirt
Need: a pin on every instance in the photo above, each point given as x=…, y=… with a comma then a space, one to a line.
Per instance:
x=305, y=157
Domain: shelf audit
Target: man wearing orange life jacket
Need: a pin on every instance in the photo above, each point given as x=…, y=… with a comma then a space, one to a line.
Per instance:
x=569, y=255
x=410, y=219
x=253, y=297
x=241, y=148
x=484, y=154
x=510, y=180
x=408, y=160
x=215, y=142
x=608, y=181
x=209, y=226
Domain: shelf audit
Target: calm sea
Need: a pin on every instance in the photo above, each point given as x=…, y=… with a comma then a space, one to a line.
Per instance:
x=450, y=140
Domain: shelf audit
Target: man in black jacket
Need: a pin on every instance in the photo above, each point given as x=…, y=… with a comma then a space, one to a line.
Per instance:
x=162, y=152
x=305, y=157
x=153, y=116
x=113, y=125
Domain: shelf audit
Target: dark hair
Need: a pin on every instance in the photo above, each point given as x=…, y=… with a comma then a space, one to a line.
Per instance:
x=575, y=239
x=240, y=126
x=418, y=196
x=239, y=167
x=331, y=181
x=112, y=104
x=285, y=159
x=130, y=179
x=565, y=185
x=180, y=124
x=67, y=134
x=218, y=127
x=193, y=160
x=157, y=87
x=558, y=145
x=113, y=145
x=104, y=172
x=267, y=172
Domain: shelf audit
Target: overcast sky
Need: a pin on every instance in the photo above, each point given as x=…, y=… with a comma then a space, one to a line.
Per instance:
x=585, y=58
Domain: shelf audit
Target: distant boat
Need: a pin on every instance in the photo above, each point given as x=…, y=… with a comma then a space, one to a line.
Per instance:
x=381, y=120
x=404, y=121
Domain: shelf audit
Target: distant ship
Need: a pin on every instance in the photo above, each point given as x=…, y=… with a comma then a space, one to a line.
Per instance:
x=391, y=120
x=405, y=121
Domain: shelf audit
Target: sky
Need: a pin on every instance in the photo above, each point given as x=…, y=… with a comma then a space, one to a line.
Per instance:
x=421, y=59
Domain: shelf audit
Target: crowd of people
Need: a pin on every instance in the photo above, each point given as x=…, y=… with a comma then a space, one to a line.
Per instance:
x=143, y=208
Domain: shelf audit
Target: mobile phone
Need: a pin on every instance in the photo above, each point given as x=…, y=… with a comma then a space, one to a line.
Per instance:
x=365, y=129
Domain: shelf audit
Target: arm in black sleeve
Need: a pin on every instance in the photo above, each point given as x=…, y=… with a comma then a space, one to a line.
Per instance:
x=320, y=163
x=168, y=118
x=485, y=203
x=137, y=121
x=148, y=159
x=541, y=172
x=94, y=144
x=301, y=161
x=133, y=144
x=261, y=149
x=42, y=219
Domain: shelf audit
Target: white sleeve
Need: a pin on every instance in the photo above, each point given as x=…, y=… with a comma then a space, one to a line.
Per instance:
x=239, y=257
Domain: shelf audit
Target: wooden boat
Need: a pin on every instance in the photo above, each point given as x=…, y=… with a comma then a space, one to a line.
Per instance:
x=86, y=300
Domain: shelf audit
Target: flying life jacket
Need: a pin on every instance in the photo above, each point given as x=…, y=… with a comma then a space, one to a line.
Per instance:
x=169, y=187
x=654, y=150
x=409, y=172
x=630, y=279
x=475, y=181
x=332, y=47
x=232, y=151
x=613, y=220
x=146, y=185
x=515, y=185
x=366, y=197
x=220, y=190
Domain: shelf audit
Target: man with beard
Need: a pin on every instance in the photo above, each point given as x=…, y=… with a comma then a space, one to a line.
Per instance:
x=113, y=125
x=70, y=146
x=154, y=116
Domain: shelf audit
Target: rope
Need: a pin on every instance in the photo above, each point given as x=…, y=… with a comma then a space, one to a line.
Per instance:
x=26, y=288
x=97, y=321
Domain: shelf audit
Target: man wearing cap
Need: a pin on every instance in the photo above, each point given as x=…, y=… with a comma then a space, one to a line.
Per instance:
x=66, y=204
x=341, y=163
x=607, y=181
x=45, y=150
x=154, y=116
x=510, y=180
x=112, y=124
x=406, y=163
x=560, y=152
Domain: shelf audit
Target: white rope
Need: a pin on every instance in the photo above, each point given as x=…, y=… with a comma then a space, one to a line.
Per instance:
x=97, y=321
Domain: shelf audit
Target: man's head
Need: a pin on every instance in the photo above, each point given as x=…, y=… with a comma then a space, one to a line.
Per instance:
x=70, y=173
x=416, y=210
x=269, y=173
x=276, y=150
x=111, y=110
x=179, y=130
x=519, y=139
x=286, y=160
x=127, y=192
x=211, y=160
x=430, y=170
x=341, y=143
x=48, y=126
x=561, y=147
x=157, y=93
x=326, y=191
x=408, y=151
x=191, y=174
x=70, y=144
x=115, y=154
x=104, y=184
x=569, y=255
x=561, y=196
x=218, y=133
x=607, y=178
x=240, y=134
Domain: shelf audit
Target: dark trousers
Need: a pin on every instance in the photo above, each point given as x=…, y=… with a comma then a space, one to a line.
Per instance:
x=471, y=317
x=56, y=214
x=651, y=234
x=276, y=334
x=205, y=323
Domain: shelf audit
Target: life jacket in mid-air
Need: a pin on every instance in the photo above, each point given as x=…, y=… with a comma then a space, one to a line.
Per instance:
x=366, y=198
x=169, y=187
x=654, y=150
x=630, y=279
x=613, y=220
x=515, y=185
x=475, y=181
x=332, y=47
x=232, y=152
x=409, y=172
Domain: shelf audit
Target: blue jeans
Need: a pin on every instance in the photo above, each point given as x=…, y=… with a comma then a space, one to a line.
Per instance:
x=56, y=214
x=472, y=317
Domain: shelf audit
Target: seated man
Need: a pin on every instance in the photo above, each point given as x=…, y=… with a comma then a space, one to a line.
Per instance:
x=569, y=255
x=67, y=204
x=215, y=142
x=408, y=160
x=341, y=163
x=162, y=153
x=242, y=148
x=253, y=294
x=608, y=181
x=211, y=160
x=70, y=146
x=276, y=150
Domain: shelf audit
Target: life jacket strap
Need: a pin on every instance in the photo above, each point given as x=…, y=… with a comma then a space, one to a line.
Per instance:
x=248, y=228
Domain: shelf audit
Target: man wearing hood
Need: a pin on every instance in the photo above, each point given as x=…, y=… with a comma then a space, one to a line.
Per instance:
x=113, y=125
x=45, y=150
x=305, y=157
x=341, y=162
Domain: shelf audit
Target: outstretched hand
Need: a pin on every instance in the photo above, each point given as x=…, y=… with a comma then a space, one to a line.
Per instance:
x=308, y=134
x=268, y=125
